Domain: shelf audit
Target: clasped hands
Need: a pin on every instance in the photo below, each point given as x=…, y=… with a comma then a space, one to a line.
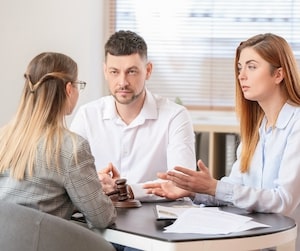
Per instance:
x=183, y=182
x=108, y=177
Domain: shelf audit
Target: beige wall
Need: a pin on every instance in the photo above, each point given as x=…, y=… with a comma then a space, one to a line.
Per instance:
x=73, y=27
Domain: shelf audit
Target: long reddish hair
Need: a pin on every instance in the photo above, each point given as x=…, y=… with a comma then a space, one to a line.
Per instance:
x=275, y=50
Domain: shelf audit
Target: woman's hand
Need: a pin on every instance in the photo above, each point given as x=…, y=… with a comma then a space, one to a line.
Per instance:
x=184, y=182
x=196, y=181
x=108, y=177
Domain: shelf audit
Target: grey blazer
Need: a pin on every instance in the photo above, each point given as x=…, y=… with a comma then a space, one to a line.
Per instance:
x=59, y=192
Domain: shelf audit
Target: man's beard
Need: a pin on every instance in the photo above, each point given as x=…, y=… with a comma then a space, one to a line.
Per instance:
x=134, y=97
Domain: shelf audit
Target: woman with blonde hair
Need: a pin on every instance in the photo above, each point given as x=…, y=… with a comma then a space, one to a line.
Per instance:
x=43, y=165
x=265, y=177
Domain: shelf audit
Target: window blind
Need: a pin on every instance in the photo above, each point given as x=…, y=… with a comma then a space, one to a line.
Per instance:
x=192, y=43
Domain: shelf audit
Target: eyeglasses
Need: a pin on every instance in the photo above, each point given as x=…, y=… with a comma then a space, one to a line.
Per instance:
x=80, y=84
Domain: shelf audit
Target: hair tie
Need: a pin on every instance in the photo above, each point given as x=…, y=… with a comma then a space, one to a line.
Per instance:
x=31, y=86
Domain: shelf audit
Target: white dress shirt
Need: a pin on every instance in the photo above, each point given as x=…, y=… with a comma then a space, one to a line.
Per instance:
x=158, y=139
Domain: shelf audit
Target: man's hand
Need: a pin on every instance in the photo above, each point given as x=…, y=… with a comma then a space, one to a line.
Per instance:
x=166, y=189
x=184, y=182
x=107, y=177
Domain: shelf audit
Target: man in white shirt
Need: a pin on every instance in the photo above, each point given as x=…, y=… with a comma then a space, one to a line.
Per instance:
x=133, y=133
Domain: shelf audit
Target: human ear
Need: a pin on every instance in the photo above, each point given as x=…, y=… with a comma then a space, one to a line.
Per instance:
x=149, y=70
x=105, y=70
x=279, y=75
x=69, y=89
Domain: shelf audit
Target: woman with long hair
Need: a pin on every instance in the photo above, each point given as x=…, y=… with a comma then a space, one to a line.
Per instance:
x=265, y=177
x=43, y=165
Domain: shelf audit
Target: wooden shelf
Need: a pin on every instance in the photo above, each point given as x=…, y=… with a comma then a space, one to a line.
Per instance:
x=217, y=125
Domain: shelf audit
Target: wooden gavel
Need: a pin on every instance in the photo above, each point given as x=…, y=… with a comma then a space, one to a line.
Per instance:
x=121, y=190
x=123, y=199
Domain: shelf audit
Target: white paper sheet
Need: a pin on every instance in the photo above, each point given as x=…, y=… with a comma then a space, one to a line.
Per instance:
x=211, y=221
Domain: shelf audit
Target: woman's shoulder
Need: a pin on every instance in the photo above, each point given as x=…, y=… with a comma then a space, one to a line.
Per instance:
x=71, y=139
x=75, y=147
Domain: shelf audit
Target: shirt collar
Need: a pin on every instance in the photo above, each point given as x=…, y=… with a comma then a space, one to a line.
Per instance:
x=284, y=116
x=109, y=111
x=148, y=111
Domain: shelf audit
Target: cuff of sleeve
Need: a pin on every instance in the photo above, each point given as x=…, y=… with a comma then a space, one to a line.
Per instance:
x=224, y=191
x=202, y=199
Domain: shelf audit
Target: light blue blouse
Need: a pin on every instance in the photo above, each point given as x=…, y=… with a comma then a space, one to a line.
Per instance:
x=273, y=182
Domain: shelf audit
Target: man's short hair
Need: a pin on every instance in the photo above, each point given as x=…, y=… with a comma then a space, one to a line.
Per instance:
x=123, y=43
